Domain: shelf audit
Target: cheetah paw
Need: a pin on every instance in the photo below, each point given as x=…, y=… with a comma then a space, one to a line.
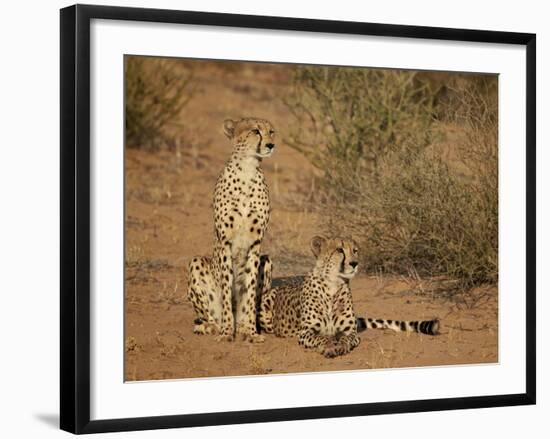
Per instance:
x=253, y=338
x=334, y=350
x=204, y=328
x=199, y=329
x=225, y=337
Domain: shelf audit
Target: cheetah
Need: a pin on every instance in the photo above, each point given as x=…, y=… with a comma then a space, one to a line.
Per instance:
x=319, y=309
x=224, y=289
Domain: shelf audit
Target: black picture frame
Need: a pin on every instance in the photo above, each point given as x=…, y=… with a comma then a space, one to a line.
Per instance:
x=75, y=217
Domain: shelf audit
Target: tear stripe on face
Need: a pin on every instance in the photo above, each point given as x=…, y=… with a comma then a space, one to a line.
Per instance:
x=259, y=143
x=343, y=270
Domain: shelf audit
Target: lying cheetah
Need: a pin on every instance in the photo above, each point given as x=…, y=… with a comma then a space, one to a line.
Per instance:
x=319, y=308
x=224, y=288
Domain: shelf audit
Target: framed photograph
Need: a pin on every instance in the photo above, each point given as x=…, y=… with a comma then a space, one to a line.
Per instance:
x=268, y=218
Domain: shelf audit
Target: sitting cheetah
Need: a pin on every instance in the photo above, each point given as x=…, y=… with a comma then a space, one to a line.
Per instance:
x=224, y=289
x=319, y=308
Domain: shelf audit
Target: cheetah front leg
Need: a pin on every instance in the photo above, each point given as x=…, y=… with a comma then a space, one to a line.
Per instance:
x=310, y=338
x=344, y=344
x=226, y=283
x=265, y=296
x=346, y=338
x=328, y=345
x=346, y=327
x=246, y=307
x=265, y=277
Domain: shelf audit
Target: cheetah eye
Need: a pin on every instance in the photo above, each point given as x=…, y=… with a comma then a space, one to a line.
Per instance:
x=340, y=249
x=256, y=131
x=354, y=251
x=271, y=132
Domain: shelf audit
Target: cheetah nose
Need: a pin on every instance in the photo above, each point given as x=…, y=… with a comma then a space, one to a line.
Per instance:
x=354, y=264
x=270, y=145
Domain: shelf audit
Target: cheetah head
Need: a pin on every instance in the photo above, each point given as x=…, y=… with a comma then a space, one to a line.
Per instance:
x=336, y=256
x=251, y=137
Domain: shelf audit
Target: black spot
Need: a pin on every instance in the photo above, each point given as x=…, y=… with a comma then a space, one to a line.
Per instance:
x=403, y=326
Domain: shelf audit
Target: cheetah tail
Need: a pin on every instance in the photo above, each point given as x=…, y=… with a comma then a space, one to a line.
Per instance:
x=430, y=327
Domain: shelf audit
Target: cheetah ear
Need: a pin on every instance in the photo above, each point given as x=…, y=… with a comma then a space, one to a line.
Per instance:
x=317, y=243
x=229, y=128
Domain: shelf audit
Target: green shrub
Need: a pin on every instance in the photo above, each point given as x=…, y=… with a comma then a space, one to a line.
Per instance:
x=386, y=178
x=156, y=91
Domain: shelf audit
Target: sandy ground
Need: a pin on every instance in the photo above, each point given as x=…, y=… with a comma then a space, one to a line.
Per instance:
x=169, y=220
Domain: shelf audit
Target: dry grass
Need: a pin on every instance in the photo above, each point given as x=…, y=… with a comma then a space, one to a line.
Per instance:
x=259, y=363
x=169, y=296
x=156, y=92
x=134, y=255
x=131, y=345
